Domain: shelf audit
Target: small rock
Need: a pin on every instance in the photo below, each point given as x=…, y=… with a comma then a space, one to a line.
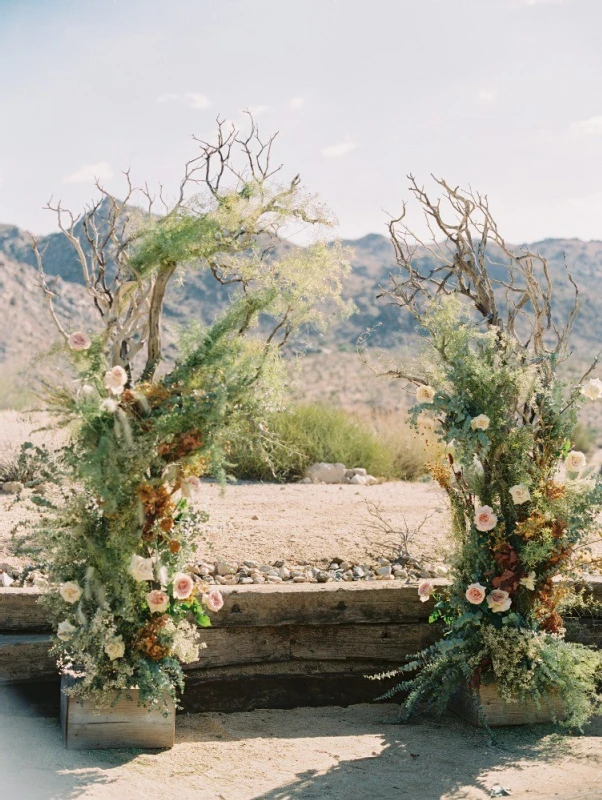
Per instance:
x=279, y=563
x=230, y=580
x=383, y=561
x=258, y=579
x=425, y=573
x=251, y=564
x=334, y=565
x=255, y=517
x=274, y=579
x=359, y=471
x=300, y=579
x=224, y=568
x=384, y=571
x=358, y=572
x=359, y=480
x=221, y=579
x=305, y=480
x=348, y=576
x=345, y=565
x=5, y=579
x=246, y=581
x=441, y=571
x=285, y=573
x=12, y=487
x=400, y=573
x=322, y=576
x=326, y=473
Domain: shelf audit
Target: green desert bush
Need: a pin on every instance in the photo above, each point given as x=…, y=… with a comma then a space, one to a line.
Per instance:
x=293, y=439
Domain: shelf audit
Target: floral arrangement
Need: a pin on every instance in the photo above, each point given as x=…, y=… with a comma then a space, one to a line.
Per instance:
x=125, y=605
x=522, y=501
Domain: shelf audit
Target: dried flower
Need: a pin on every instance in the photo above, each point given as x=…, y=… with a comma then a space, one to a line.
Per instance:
x=592, y=389
x=425, y=394
x=79, y=341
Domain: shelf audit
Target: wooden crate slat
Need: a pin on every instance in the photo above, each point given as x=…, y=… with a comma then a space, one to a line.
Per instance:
x=498, y=713
x=126, y=724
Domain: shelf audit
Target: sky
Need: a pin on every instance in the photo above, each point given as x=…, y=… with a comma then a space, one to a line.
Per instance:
x=501, y=95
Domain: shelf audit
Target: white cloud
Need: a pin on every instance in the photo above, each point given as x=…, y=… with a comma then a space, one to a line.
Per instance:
x=336, y=150
x=257, y=110
x=542, y=2
x=191, y=99
x=297, y=102
x=587, y=127
x=486, y=96
x=90, y=172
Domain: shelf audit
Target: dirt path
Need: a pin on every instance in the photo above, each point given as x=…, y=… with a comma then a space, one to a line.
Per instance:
x=315, y=754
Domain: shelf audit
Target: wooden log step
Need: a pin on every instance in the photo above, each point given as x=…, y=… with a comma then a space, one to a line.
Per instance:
x=25, y=657
x=372, y=602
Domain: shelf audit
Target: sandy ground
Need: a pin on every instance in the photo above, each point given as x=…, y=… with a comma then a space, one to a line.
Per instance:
x=320, y=754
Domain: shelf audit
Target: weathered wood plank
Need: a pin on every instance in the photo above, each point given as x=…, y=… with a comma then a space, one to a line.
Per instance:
x=227, y=646
x=20, y=611
x=25, y=657
x=281, y=604
x=351, y=642
x=126, y=724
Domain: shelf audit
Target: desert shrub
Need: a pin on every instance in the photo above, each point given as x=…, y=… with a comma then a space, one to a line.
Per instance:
x=293, y=439
x=584, y=438
x=29, y=464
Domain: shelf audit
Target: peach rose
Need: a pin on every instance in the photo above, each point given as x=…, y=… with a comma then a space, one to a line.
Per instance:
x=70, y=591
x=425, y=589
x=425, y=394
x=498, y=600
x=475, y=593
x=115, y=379
x=213, y=599
x=182, y=586
x=485, y=519
x=190, y=486
x=158, y=601
x=79, y=341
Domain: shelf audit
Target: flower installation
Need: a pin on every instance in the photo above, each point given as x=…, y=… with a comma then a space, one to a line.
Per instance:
x=125, y=605
x=522, y=502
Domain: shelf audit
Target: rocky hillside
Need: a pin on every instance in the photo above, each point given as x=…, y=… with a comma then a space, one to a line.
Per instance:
x=25, y=328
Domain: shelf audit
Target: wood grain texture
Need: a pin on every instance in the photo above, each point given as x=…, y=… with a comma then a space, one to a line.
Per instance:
x=498, y=713
x=124, y=725
x=25, y=656
x=333, y=603
x=350, y=642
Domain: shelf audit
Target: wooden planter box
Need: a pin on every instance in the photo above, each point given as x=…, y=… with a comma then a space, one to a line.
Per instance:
x=497, y=712
x=124, y=725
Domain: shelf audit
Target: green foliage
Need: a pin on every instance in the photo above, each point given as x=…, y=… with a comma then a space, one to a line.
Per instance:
x=290, y=440
x=505, y=422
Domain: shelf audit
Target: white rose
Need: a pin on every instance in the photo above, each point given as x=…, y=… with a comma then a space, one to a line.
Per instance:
x=425, y=394
x=115, y=648
x=65, y=630
x=520, y=494
x=115, y=379
x=575, y=461
x=498, y=600
x=79, y=341
x=480, y=423
x=141, y=569
x=70, y=591
x=592, y=389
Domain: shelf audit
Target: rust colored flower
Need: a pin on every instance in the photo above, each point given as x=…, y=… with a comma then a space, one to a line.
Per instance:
x=166, y=524
x=174, y=546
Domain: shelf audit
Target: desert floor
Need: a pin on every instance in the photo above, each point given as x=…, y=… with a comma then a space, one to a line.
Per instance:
x=326, y=754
